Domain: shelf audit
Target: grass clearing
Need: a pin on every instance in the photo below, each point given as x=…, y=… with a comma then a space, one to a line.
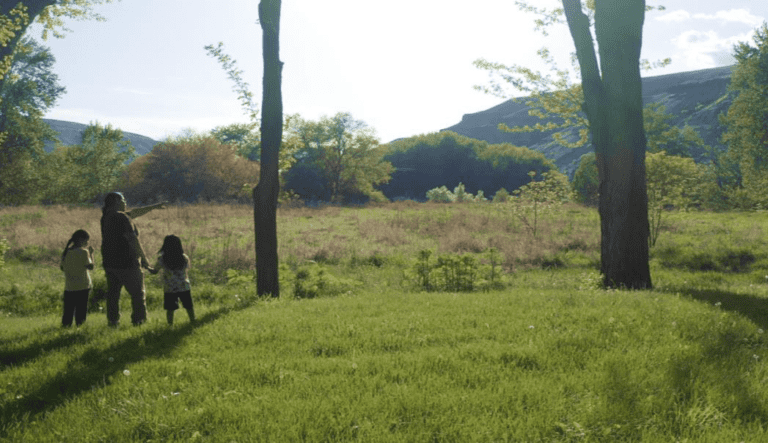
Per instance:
x=548, y=358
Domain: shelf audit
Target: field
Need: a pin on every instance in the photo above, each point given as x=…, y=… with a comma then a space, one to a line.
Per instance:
x=358, y=349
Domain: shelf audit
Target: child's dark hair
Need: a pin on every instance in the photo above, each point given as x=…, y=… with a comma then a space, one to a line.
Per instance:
x=79, y=235
x=173, y=253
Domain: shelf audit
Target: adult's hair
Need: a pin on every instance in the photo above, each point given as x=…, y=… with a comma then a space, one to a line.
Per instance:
x=79, y=235
x=173, y=253
x=111, y=200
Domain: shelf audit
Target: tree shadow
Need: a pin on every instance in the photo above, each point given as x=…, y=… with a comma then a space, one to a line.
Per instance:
x=751, y=307
x=95, y=368
x=720, y=351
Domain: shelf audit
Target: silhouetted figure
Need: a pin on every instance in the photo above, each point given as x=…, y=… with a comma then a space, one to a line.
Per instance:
x=123, y=257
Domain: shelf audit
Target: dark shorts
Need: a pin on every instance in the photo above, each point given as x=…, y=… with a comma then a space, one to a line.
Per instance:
x=171, y=300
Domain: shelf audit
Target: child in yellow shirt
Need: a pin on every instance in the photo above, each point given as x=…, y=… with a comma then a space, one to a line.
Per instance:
x=76, y=261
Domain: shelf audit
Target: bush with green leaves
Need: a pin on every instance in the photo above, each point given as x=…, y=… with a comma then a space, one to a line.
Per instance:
x=585, y=181
x=501, y=196
x=672, y=182
x=4, y=247
x=459, y=195
x=538, y=197
x=457, y=272
x=314, y=281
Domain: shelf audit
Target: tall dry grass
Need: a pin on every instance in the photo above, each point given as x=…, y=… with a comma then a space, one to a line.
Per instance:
x=220, y=236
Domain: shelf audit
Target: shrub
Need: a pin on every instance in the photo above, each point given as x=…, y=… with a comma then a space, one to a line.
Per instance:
x=191, y=169
x=4, y=247
x=459, y=195
x=315, y=281
x=456, y=272
x=501, y=196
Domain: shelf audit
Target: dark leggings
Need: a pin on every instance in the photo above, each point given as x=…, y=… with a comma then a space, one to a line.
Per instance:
x=75, y=305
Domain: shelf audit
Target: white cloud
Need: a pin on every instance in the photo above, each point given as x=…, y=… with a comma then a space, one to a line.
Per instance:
x=675, y=16
x=705, y=49
x=132, y=91
x=733, y=15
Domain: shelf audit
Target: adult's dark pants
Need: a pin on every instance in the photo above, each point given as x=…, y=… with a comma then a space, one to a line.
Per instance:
x=133, y=281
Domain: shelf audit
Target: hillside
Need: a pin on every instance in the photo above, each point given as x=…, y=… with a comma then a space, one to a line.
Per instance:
x=71, y=133
x=695, y=98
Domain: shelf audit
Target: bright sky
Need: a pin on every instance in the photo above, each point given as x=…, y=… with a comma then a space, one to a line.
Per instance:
x=402, y=66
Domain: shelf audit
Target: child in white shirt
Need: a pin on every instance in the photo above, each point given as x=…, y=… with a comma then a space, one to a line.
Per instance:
x=174, y=263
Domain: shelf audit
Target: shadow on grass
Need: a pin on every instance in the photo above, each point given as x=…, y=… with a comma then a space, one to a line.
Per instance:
x=18, y=356
x=722, y=356
x=93, y=368
x=751, y=307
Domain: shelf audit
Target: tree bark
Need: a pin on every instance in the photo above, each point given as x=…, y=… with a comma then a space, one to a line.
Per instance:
x=613, y=104
x=265, y=193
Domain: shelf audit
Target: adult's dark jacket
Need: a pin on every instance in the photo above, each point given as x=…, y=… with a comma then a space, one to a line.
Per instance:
x=116, y=229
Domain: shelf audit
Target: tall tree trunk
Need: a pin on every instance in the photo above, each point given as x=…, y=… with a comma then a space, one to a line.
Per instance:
x=613, y=104
x=265, y=193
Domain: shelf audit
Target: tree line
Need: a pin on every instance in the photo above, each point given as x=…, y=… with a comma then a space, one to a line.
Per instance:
x=340, y=159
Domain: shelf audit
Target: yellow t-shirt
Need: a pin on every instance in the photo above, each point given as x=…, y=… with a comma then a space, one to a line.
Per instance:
x=77, y=277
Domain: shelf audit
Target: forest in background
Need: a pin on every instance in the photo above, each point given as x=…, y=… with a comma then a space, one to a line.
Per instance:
x=339, y=159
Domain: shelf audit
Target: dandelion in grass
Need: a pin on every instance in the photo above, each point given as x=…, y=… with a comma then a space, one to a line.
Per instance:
x=126, y=372
x=756, y=357
x=759, y=331
x=531, y=327
x=718, y=304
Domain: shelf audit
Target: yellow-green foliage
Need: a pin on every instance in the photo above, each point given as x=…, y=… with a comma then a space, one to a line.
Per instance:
x=672, y=181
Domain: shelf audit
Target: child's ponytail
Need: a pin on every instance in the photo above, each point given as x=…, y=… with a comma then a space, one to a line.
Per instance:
x=79, y=235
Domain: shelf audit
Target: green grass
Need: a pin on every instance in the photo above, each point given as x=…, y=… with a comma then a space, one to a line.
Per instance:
x=548, y=359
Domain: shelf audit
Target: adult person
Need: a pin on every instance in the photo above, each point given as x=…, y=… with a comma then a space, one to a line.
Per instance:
x=123, y=257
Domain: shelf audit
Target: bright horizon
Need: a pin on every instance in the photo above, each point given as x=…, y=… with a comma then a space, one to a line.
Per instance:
x=402, y=66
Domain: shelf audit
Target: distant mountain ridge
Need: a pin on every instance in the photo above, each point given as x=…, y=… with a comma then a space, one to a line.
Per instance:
x=695, y=98
x=71, y=133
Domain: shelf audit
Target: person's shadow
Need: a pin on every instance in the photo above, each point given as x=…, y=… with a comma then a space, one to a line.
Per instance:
x=93, y=368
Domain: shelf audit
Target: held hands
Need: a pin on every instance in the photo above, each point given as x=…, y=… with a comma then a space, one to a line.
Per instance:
x=145, y=265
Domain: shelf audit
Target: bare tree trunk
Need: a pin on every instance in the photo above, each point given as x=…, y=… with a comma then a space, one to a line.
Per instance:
x=613, y=104
x=265, y=193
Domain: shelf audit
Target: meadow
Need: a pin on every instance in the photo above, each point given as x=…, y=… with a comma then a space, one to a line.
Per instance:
x=356, y=348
